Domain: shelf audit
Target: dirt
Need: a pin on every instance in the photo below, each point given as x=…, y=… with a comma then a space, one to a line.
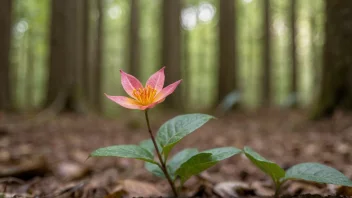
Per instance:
x=49, y=158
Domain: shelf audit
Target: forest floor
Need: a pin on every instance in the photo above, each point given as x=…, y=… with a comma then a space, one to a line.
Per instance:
x=49, y=158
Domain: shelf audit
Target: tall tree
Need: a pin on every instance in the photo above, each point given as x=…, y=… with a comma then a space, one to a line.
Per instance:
x=86, y=72
x=293, y=17
x=171, y=48
x=314, y=46
x=65, y=55
x=29, y=78
x=98, y=62
x=227, y=55
x=186, y=66
x=336, y=89
x=5, y=38
x=134, y=67
x=266, y=75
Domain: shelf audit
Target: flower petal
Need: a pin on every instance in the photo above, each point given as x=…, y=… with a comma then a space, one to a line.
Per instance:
x=156, y=81
x=125, y=102
x=129, y=83
x=167, y=91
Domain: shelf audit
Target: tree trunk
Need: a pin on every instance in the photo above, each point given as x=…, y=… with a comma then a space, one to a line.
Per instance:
x=227, y=55
x=171, y=49
x=134, y=67
x=29, y=91
x=315, y=48
x=186, y=68
x=266, y=76
x=294, y=72
x=5, y=38
x=86, y=50
x=98, y=64
x=336, y=89
x=65, y=56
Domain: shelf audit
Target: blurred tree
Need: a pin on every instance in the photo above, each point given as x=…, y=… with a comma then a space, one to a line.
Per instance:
x=5, y=37
x=29, y=71
x=336, y=89
x=315, y=47
x=65, y=55
x=227, y=55
x=171, y=48
x=134, y=67
x=293, y=35
x=266, y=75
x=98, y=63
x=186, y=66
x=86, y=72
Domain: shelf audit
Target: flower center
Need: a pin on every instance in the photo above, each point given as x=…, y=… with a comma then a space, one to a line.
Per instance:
x=145, y=95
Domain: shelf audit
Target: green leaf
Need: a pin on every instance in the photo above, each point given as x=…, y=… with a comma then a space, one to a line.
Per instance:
x=268, y=167
x=181, y=158
x=177, y=128
x=148, y=145
x=219, y=154
x=203, y=161
x=154, y=169
x=317, y=173
x=173, y=164
x=125, y=151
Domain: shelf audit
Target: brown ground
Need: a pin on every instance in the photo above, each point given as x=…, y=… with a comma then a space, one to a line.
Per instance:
x=48, y=158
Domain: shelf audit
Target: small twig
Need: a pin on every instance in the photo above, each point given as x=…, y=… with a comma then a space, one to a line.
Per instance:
x=11, y=180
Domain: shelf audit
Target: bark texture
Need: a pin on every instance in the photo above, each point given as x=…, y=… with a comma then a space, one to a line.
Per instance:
x=5, y=38
x=336, y=89
x=294, y=72
x=134, y=67
x=227, y=56
x=171, y=49
x=266, y=76
x=65, y=62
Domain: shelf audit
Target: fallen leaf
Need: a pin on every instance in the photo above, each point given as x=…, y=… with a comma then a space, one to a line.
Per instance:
x=26, y=168
x=262, y=189
x=69, y=171
x=135, y=188
x=233, y=189
x=298, y=187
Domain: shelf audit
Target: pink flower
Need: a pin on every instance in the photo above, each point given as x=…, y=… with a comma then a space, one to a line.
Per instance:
x=144, y=97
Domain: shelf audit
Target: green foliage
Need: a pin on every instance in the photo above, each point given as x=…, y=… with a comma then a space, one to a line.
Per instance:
x=29, y=38
x=148, y=145
x=173, y=164
x=185, y=163
x=268, y=167
x=317, y=173
x=203, y=161
x=180, y=158
x=189, y=162
x=126, y=151
x=171, y=132
x=313, y=172
x=195, y=165
x=155, y=169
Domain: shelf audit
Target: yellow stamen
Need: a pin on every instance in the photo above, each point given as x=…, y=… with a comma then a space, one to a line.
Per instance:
x=145, y=95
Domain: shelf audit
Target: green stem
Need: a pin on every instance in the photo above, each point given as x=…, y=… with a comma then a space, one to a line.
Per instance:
x=163, y=164
x=277, y=190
